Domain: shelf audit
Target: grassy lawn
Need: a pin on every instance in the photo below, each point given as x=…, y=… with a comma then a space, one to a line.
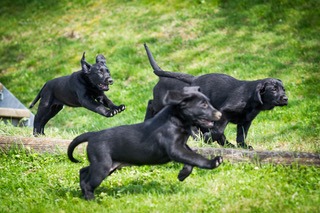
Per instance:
x=247, y=39
x=49, y=183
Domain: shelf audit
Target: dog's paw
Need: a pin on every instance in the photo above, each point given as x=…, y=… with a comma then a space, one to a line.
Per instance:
x=185, y=172
x=110, y=113
x=245, y=146
x=89, y=196
x=216, y=161
x=121, y=108
x=229, y=145
x=117, y=109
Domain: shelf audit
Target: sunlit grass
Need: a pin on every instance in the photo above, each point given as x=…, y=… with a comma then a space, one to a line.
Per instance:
x=248, y=40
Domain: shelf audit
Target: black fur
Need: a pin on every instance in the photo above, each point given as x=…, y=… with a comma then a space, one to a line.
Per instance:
x=84, y=88
x=156, y=141
x=238, y=101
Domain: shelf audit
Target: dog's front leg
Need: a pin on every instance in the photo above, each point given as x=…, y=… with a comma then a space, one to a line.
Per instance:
x=217, y=133
x=181, y=154
x=185, y=172
x=187, y=169
x=96, y=107
x=242, y=130
x=103, y=99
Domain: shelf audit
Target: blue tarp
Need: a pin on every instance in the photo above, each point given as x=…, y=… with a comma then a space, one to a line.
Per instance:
x=8, y=100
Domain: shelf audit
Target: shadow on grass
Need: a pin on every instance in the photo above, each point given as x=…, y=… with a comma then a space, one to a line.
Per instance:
x=141, y=187
x=134, y=187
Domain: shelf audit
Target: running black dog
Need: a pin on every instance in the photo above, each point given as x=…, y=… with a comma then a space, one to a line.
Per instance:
x=156, y=141
x=84, y=88
x=238, y=101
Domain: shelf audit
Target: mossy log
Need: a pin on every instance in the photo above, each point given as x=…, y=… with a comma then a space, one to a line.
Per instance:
x=42, y=144
x=260, y=157
x=36, y=144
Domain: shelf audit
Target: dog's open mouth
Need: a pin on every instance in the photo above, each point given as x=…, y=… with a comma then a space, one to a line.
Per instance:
x=282, y=103
x=104, y=87
x=205, y=123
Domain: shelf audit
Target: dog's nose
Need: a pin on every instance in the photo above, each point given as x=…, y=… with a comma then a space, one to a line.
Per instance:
x=284, y=98
x=110, y=81
x=217, y=115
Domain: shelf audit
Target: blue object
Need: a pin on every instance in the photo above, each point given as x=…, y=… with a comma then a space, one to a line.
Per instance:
x=12, y=110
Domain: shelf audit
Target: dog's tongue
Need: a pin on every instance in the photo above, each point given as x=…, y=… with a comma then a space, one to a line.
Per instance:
x=207, y=123
x=103, y=87
x=210, y=124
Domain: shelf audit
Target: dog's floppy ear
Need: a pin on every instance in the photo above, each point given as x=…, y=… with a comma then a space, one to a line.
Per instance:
x=258, y=92
x=174, y=97
x=85, y=65
x=101, y=59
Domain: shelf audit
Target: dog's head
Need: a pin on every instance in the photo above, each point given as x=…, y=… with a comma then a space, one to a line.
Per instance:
x=193, y=106
x=270, y=93
x=98, y=73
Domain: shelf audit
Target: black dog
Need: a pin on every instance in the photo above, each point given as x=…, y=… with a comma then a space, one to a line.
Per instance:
x=238, y=101
x=156, y=141
x=84, y=88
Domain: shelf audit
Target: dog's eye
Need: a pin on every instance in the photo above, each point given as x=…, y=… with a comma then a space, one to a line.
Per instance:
x=205, y=105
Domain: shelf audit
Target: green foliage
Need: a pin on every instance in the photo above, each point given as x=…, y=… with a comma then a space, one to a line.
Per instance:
x=247, y=39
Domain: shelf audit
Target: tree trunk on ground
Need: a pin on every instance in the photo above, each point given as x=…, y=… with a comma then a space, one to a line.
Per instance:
x=51, y=145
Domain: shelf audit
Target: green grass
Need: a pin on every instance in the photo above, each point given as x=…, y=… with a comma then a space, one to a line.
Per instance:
x=49, y=183
x=248, y=39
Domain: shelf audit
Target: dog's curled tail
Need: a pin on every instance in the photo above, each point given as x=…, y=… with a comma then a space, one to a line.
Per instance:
x=78, y=140
x=36, y=98
x=159, y=72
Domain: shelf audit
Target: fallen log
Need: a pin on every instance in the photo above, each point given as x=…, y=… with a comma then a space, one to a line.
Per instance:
x=261, y=157
x=42, y=144
x=36, y=144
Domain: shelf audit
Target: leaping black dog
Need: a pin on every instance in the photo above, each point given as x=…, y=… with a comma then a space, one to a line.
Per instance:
x=158, y=140
x=84, y=88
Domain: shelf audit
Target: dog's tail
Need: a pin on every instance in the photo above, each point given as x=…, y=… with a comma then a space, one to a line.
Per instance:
x=36, y=98
x=159, y=72
x=78, y=140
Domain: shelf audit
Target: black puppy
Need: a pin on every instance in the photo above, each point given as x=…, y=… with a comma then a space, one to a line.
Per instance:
x=156, y=141
x=84, y=88
x=238, y=101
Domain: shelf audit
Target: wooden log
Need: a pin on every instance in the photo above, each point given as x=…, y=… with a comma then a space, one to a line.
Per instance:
x=36, y=144
x=14, y=113
x=42, y=144
x=261, y=157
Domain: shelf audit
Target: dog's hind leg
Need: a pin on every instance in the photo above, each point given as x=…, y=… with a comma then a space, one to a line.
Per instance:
x=42, y=117
x=92, y=176
x=83, y=177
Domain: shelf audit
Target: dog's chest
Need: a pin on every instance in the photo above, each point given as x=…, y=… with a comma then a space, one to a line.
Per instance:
x=245, y=115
